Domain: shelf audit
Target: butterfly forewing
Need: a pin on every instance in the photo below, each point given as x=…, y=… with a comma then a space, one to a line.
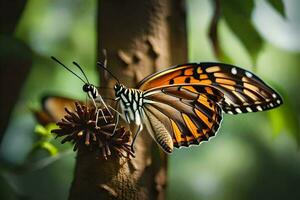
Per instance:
x=243, y=91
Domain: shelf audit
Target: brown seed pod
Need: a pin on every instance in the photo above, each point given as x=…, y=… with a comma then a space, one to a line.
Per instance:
x=79, y=127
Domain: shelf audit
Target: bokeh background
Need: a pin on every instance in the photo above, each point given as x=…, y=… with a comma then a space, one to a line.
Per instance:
x=254, y=156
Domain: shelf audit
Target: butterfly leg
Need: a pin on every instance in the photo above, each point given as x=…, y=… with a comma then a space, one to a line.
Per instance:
x=97, y=113
x=116, y=123
x=97, y=116
x=140, y=128
x=104, y=104
x=117, y=118
x=117, y=112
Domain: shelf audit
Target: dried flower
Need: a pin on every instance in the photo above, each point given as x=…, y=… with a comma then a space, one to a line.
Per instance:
x=79, y=127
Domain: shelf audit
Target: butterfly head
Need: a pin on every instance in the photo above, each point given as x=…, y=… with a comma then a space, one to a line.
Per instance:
x=86, y=87
x=119, y=88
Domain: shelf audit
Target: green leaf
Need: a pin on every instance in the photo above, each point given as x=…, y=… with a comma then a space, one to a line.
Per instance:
x=44, y=145
x=44, y=131
x=50, y=127
x=41, y=130
x=52, y=150
x=237, y=15
x=224, y=57
x=278, y=5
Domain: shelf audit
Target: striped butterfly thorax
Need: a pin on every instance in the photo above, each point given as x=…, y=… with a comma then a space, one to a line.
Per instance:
x=183, y=105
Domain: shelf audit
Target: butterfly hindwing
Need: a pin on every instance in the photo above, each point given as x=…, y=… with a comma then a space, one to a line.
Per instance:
x=189, y=116
x=243, y=91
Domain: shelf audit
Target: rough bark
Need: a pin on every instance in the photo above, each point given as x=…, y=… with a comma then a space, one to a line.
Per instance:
x=140, y=37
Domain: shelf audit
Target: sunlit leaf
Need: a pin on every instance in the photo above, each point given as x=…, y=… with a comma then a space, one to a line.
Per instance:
x=237, y=15
x=44, y=131
x=50, y=127
x=52, y=150
x=278, y=5
x=44, y=145
x=41, y=130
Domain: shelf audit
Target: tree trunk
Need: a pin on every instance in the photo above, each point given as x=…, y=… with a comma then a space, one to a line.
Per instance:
x=15, y=60
x=140, y=37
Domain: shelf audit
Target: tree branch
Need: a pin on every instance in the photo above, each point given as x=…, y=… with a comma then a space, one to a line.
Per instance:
x=140, y=37
x=213, y=29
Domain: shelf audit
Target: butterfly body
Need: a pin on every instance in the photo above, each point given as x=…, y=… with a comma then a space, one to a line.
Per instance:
x=144, y=108
x=132, y=103
x=183, y=105
x=91, y=90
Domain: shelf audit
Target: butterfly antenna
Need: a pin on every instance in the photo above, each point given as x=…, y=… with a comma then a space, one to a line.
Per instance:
x=56, y=60
x=100, y=64
x=78, y=66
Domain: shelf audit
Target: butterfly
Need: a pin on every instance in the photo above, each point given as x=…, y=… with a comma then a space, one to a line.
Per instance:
x=183, y=105
x=91, y=90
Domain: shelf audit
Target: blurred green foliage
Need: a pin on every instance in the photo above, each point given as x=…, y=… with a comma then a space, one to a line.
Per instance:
x=45, y=137
x=254, y=156
x=278, y=5
x=237, y=15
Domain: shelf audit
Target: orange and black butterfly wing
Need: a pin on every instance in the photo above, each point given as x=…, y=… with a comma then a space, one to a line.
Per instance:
x=53, y=109
x=189, y=116
x=243, y=91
